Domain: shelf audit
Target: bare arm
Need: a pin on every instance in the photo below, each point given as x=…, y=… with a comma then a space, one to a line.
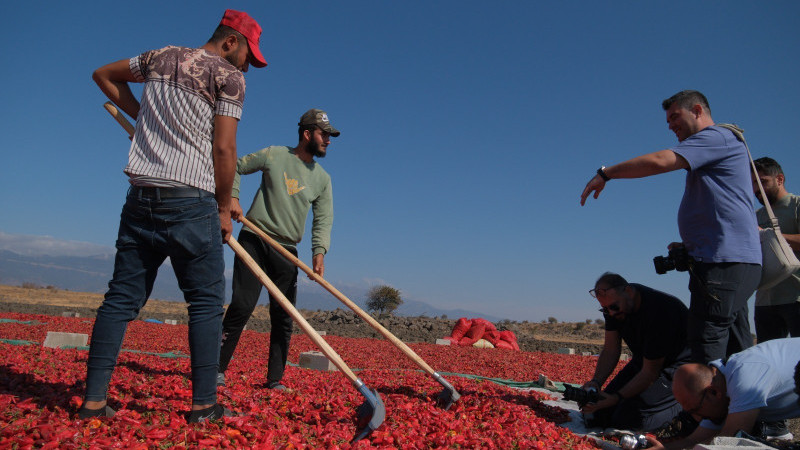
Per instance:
x=642, y=380
x=113, y=80
x=744, y=420
x=654, y=163
x=224, y=150
x=701, y=434
x=638, y=384
x=733, y=423
x=793, y=240
x=609, y=357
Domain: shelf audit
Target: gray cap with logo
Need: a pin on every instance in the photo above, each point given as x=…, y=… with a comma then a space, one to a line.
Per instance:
x=319, y=118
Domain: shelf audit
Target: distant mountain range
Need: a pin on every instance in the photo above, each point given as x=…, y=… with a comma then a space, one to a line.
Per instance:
x=91, y=274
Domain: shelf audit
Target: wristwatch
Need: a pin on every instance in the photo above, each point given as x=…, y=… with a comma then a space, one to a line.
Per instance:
x=602, y=173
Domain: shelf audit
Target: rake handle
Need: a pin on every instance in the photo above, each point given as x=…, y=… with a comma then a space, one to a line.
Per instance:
x=276, y=294
x=120, y=118
x=329, y=287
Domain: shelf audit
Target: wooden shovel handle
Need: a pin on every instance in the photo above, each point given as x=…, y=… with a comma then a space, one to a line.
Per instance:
x=361, y=313
x=276, y=294
x=120, y=118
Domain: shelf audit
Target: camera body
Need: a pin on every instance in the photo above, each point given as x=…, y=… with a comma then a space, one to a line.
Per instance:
x=580, y=395
x=677, y=259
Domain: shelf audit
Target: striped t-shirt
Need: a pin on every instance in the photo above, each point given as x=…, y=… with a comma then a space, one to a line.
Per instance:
x=184, y=89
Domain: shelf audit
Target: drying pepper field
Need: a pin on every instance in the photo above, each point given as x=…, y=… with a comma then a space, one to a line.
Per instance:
x=41, y=388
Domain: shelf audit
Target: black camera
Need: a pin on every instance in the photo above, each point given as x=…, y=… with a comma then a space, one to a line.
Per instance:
x=580, y=396
x=678, y=259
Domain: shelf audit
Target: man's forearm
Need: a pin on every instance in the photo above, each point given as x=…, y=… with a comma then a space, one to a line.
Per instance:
x=224, y=150
x=606, y=363
x=793, y=240
x=113, y=80
x=638, y=384
x=645, y=165
x=224, y=168
x=700, y=434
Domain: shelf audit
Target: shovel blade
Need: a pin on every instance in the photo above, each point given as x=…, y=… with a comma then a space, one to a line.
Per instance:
x=371, y=413
x=446, y=398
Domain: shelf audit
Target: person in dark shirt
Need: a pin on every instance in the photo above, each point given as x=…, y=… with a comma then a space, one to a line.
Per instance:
x=653, y=326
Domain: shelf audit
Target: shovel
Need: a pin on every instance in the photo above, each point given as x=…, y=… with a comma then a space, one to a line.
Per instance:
x=371, y=413
x=446, y=398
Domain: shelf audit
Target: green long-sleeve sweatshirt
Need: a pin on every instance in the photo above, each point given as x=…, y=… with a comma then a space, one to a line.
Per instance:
x=289, y=187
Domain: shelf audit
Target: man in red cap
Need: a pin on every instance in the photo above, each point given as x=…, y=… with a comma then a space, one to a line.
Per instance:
x=181, y=166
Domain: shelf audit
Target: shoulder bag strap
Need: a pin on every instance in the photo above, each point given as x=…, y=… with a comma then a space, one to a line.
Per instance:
x=739, y=133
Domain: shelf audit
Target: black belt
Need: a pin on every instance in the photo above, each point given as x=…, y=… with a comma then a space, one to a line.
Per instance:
x=168, y=192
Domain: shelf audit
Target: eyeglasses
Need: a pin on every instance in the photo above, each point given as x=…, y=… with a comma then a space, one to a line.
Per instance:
x=612, y=307
x=597, y=292
x=694, y=410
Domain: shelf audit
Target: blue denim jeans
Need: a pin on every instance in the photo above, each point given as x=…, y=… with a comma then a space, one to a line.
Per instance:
x=187, y=230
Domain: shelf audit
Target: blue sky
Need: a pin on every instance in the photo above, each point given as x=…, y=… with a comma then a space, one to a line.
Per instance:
x=469, y=129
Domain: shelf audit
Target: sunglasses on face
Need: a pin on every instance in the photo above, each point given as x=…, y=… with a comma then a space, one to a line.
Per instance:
x=607, y=309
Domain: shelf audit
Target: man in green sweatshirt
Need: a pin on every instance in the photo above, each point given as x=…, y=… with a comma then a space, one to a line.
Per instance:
x=292, y=182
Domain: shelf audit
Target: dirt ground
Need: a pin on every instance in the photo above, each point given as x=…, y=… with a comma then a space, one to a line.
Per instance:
x=531, y=336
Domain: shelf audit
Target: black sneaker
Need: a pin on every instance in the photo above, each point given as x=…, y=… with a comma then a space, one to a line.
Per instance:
x=214, y=412
x=680, y=426
x=276, y=385
x=105, y=411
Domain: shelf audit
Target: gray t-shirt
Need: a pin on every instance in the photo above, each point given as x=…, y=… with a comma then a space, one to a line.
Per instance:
x=787, y=210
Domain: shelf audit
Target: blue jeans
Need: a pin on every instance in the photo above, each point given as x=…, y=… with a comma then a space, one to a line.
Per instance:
x=187, y=230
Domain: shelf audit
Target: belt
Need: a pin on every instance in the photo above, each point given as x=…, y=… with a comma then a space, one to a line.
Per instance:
x=168, y=192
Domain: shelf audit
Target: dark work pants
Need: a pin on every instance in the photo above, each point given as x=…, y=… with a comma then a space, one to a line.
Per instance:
x=648, y=410
x=718, y=314
x=246, y=290
x=777, y=321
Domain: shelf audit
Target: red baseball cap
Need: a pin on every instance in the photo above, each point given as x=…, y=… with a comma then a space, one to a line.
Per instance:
x=250, y=29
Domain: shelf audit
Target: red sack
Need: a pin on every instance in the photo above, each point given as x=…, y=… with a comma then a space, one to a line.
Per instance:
x=489, y=325
x=462, y=326
x=492, y=336
x=510, y=337
x=472, y=336
x=504, y=344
